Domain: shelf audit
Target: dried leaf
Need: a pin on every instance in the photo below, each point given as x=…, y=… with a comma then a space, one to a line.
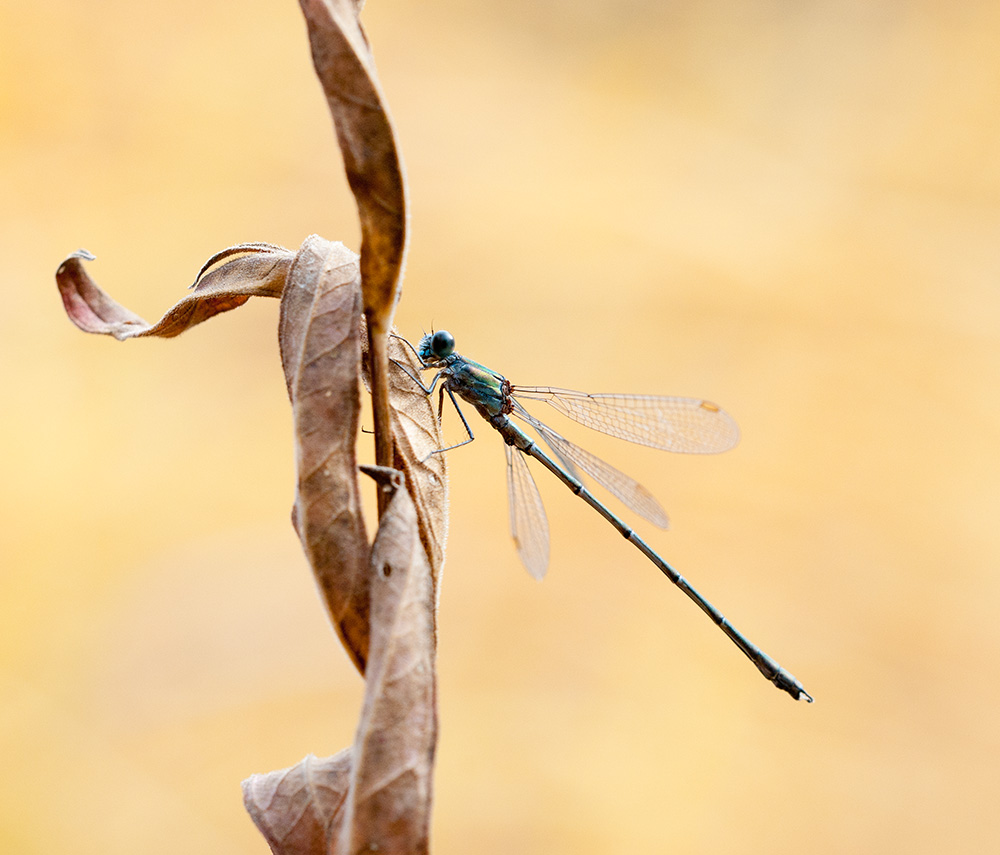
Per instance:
x=319, y=335
x=258, y=271
x=375, y=796
x=320, y=332
x=389, y=800
x=298, y=810
x=416, y=436
x=346, y=71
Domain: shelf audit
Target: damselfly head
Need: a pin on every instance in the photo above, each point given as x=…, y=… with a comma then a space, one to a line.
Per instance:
x=436, y=346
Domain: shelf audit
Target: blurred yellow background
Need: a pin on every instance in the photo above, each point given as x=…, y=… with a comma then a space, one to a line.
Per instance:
x=790, y=208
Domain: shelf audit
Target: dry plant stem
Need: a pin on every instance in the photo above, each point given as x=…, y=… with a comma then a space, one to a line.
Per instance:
x=346, y=71
x=416, y=435
x=378, y=353
x=376, y=796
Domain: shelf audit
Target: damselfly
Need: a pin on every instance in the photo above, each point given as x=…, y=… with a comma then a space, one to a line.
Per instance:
x=674, y=424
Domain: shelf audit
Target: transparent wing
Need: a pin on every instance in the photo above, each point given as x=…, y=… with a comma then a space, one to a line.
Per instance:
x=547, y=433
x=628, y=491
x=528, y=524
x=688, y=425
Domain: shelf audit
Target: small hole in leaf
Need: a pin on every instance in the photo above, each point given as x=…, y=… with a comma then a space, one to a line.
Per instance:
x=386, y=570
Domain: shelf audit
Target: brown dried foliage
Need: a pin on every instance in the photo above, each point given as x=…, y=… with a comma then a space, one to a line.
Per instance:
x=336, y=314
x=346, y=71
x=374, y=796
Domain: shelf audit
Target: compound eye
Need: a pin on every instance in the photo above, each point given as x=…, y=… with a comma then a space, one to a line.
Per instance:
x=443, y=344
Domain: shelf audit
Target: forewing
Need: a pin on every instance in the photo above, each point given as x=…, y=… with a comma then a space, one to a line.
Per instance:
x=688, y=425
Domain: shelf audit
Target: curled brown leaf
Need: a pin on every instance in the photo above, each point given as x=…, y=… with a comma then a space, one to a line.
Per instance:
x=417, y=437
x=376, y=795
x=319, y=336
x=300, y=810
x=389, y=799
x=346, y=71
x=257, y=270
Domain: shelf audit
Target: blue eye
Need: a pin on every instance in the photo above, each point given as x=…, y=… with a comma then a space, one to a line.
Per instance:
x=442, y=344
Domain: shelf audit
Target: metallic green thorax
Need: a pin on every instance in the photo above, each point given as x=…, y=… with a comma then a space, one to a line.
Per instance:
x=486, y=390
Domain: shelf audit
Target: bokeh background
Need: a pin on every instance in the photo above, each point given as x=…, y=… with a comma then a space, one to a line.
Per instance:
x=790, y=208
